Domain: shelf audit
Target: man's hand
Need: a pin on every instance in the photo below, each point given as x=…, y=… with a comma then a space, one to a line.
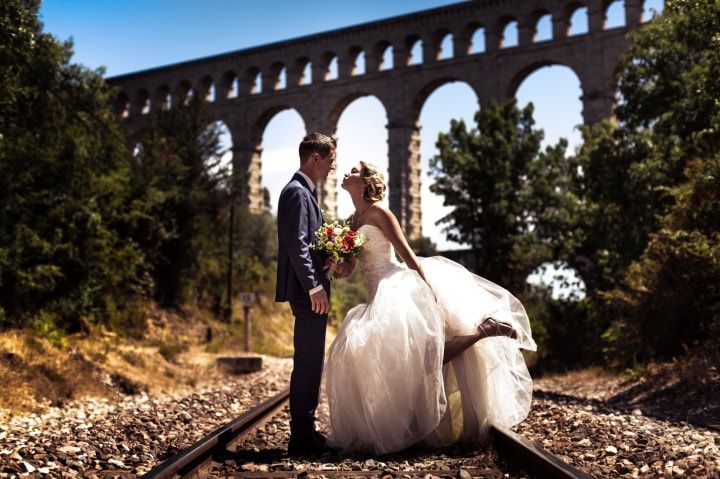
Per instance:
x=319, y=302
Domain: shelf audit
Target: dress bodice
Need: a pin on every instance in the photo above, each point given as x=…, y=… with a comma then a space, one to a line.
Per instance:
x=377, y=258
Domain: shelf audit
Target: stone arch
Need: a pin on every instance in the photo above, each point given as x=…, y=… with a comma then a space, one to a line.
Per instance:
x=438, y=40
x=380, y=52
x=300, y=77
x=354, y=55
x=568, y=11
x=247, y=154
x=620, y=7
x=326, y=62
x=650, y=8
x=411, y=44
x=471, y=32
x=504, y=24
x=536, y=17
x=207, y=88
x=228, y=87
x=262, y=120
x=142, y=101
x=122, y=104
x=254, y=81
x=274, y=80
x=163, y=97
x=567, y=96
x=367, y=142
x=184, y=91
x=518, y=77
x=429, y=87
x=443, y=101
x=339, y=106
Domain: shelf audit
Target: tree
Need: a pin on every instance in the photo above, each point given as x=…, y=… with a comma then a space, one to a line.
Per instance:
x=669, y=299
x=624, y=172
x=182, y=197
x=63, y=178
x=483, y=174
x=669, y=83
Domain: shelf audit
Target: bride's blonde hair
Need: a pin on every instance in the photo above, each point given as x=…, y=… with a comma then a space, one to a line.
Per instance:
x=375, y=187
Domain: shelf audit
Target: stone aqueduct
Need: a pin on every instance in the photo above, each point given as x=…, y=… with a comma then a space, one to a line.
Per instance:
x=245, y=89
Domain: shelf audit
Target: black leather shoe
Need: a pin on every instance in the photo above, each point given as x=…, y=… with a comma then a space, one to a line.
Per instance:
x=312, y=444
x=319, y=437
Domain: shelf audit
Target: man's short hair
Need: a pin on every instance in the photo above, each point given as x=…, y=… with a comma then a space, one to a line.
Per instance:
x=316, y=142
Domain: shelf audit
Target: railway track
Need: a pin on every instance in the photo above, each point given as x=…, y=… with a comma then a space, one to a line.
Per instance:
x=199, y=459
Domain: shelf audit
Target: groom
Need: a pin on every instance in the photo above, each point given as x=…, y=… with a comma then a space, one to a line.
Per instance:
x=301, y=281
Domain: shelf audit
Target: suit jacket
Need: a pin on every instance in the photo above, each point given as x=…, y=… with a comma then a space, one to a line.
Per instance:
x=299, y=268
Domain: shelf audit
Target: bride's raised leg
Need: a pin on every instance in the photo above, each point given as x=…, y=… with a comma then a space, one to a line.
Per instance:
x=489, y=327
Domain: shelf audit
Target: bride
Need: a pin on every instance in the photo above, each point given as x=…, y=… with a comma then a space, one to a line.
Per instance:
x=434, y=353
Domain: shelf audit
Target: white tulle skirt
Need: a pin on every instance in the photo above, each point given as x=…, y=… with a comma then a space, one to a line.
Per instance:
x=385, y=382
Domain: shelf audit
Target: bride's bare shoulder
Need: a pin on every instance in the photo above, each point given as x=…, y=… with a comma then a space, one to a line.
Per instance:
x=381, y=215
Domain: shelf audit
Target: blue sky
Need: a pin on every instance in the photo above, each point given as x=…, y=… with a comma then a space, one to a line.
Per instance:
x=130, y=35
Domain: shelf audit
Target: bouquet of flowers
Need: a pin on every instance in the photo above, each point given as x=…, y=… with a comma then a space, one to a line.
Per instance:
x=338, y=241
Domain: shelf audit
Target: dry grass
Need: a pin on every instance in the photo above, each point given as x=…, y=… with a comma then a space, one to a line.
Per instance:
x=173, y=354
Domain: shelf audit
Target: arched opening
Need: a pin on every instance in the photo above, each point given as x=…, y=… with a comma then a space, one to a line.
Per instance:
x=578, y=21
x=362, y=136
x=279, y=158
x=143, y=101
x=357, y=61
x=386, y=59
x=278, y=77
x=207, y=86
x=447, y=101
x=122, y=105
x=446, y=47
x=477, y=41
x=230, y=84
x=185, y=91
x=415, y=49
x=509, y=34
x=555, y=92
x=563, y=281
x=331, y=66
x=651, y=8
x=164, y=97
x=543, y=28
x=614, y=15
x=303, y=69
x=220, y=166
x=255, y=79
x=306, y=74
x=282, y=79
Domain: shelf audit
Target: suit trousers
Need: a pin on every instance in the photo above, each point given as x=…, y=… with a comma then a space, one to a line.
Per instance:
x=309, y=343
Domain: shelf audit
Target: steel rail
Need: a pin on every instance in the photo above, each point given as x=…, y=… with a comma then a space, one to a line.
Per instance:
x=514, y=450
x=193, y=457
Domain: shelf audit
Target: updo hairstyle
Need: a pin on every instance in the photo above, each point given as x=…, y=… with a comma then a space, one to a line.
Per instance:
x=375, y=187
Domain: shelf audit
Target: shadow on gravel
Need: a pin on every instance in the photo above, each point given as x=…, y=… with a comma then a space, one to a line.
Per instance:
x=273, y=455
x=654, y=403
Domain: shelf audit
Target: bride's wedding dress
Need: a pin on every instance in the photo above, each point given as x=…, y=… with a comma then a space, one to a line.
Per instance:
x=386, y=384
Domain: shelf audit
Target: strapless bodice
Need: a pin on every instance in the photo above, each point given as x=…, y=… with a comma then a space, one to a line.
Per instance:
x=377, y=257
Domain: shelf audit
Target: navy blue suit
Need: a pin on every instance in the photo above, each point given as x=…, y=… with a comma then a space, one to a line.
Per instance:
x=299, y=270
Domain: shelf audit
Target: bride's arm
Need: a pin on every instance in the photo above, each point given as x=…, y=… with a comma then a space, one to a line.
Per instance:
x=389, y=224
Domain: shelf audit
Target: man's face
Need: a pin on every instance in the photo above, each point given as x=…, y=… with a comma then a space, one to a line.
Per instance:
x=326, y=164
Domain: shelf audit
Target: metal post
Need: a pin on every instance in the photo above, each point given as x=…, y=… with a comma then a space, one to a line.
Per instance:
x=229, y=311
x=246, y=308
